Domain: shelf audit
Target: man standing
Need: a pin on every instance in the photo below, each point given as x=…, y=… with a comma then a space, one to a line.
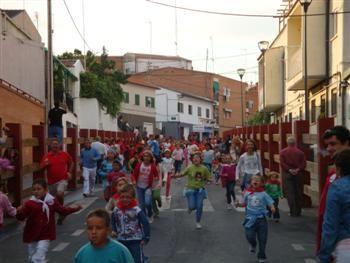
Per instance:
x=335, y=140
x=293, y=163
x=88, y=160
x=59, y=166
x=56, y=127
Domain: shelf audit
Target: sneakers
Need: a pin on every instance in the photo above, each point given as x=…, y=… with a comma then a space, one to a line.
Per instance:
x=198, y=226
x=229, y=207
x=262, y=260
x=150, y=219
x=252, y=249
x=168, y=197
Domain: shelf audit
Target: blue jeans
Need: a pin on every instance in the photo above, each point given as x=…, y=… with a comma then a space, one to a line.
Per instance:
x=135, y=249
x=246, y=181
x=144, y=197
x=258, y=230
x=56, y=132
x=195, y=200
x=177, y=166
x=208, y=165
x=230, y=191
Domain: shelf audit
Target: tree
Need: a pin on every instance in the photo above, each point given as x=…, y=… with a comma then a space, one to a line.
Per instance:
x=259, y=118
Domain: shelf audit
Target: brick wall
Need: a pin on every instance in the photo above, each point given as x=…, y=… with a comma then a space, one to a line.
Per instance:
x=15, y=108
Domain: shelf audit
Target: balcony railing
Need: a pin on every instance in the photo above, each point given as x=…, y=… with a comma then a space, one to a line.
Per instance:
x=294, y=61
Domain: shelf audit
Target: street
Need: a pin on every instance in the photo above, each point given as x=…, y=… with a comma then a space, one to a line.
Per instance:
x=174, y=238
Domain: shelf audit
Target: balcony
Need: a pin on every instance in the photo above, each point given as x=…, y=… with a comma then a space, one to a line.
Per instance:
x=273, y=82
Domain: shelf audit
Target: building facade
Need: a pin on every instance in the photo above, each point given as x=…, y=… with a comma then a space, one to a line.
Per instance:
x=180, y=114
x=282, y=66
x=138, y=107
x=225, y=93
x=132, y=63
x=86, y=113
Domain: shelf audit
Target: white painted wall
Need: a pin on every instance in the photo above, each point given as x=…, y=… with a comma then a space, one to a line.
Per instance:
x=142, y=110
x=143, y=64
x=166, y=107
x=22, y=61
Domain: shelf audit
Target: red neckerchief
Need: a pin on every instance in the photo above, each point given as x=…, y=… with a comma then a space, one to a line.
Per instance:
x=116, y=196
x=274, y=182
x=251, y=190
x=132, y=204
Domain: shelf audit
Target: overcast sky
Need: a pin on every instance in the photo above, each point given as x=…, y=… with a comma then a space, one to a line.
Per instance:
x=124, y=26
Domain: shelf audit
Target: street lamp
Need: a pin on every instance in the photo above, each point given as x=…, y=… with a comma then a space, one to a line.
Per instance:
x=305, y=4
x=263, y=46
x=241, y=72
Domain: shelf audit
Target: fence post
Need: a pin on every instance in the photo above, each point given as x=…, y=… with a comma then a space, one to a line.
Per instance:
x=264, y=147
x=93, y=133
x=322, y=161
x=273, y=147
x=303, y=127
x=15, y=184
x=38, y=131
x=72, y=149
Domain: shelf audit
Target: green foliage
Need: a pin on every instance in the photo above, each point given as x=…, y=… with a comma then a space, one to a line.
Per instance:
x=259, y=118
x=101, y=80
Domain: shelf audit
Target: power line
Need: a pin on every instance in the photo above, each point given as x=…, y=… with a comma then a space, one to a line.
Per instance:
x=75, y=25
x=242, y=14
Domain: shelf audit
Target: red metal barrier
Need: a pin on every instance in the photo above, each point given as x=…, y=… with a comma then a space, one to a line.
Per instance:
x=38, y=132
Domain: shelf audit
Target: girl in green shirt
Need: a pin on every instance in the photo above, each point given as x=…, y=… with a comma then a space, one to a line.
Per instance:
x=197, y=177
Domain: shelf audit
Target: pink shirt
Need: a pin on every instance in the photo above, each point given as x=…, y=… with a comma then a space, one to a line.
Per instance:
x=145, y=172
x=5, y=208
x=178, y=154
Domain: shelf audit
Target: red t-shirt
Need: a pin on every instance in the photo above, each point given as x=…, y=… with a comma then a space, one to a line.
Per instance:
x=58, y=166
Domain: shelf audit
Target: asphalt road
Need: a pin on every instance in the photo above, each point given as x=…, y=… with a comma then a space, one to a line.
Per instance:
x=174, y=238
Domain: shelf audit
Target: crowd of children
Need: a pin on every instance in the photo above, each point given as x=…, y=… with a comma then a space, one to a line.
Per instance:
x=133, y=177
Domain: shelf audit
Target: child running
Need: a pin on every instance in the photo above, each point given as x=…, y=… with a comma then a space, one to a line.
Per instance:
x=112, y=177
x=143, y=176
x=100, y=247
x=5, y=208
x=255, y=201
x=273, y=189
x=130, y=225
x=167, y=171
x=195, y=192
x=178, y=156
x=39, y=213
x=228, y=179
x=116, y=187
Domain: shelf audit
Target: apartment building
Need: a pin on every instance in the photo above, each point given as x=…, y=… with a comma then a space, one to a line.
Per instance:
x=282, y=65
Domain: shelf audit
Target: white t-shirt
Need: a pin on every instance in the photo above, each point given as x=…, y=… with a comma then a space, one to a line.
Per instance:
x=145, y=172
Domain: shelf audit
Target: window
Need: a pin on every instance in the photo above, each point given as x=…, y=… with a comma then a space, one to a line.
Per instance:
x=249, y=104
x=207, y=113
x=313, y=110
x=137, y=99
x=199, y=110
x=334, y=102
x=300, y=113
x=190, y=109
x=323, y=106
x=150, y=102
x=180, y=107
x=227, y=115
x=216, y=88
x=126, y=97
x=333, y=27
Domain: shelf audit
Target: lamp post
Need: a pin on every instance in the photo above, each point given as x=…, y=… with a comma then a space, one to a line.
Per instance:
x=305, y=4
x=241, y=72
x=263, y=46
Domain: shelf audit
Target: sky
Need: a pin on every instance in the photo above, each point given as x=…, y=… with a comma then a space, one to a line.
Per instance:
x=142, y=27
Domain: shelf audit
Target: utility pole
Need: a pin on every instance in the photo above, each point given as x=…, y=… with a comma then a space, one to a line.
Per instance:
x=83, y=10
x=49, y=84
x=212, y=52
x=206, y=61
x=176, y=37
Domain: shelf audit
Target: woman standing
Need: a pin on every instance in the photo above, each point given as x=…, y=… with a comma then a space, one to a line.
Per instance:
x=336, y=225
x=236, y=149
x=195, y=192
x=249, y=164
